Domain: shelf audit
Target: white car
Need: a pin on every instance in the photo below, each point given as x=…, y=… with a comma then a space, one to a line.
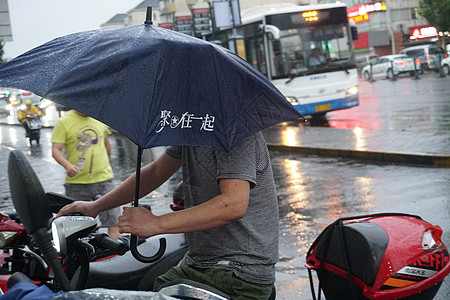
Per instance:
x=390, y=65
x=445, y=65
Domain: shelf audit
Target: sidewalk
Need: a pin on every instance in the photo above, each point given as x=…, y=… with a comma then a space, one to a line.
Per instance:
x=404, y=147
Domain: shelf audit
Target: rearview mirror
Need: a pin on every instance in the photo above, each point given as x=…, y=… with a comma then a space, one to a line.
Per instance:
x=28, y=196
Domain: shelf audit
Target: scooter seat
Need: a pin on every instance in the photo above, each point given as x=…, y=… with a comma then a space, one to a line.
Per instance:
x=127, y=273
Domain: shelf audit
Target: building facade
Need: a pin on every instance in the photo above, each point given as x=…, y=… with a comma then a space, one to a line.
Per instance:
x=387, y=27
x=384, y=27
x=193, y=17
x=5, y=22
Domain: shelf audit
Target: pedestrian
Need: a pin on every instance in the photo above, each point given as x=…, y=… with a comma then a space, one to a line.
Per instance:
x=87, y=162
x=23, y=113
x=230, y=216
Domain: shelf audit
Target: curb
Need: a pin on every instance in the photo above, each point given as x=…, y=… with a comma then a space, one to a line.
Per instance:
x=435, y=160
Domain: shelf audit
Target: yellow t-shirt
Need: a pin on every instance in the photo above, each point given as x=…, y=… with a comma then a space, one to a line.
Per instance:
x=84, y=142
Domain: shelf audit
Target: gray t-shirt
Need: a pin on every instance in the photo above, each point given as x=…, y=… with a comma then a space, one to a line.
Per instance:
x=248, y=246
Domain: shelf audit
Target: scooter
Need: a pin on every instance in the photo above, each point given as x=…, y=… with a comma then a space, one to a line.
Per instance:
x=34, y=125
x=78, y=256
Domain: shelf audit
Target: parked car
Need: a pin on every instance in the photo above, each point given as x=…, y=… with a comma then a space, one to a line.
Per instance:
x=363, y=61
x=445, y=65
x=400, y=64
x=5, y=94
x=427, y=54
x=22, y=96
x=4, y=107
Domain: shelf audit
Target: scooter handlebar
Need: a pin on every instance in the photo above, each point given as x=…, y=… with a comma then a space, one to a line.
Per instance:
x=104, y=241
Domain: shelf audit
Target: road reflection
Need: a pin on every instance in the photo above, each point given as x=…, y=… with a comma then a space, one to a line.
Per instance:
x=360, y=142
x=289, y=137
x=312, y=192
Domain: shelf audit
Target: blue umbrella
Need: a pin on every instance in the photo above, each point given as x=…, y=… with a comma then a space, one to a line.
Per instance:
x=155, y=86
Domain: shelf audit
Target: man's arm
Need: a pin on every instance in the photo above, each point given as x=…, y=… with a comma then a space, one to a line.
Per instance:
x=152, y=176
x=230, y=205
x=57, y=154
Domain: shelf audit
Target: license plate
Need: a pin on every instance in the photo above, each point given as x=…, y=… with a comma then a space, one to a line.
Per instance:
x=323, y=107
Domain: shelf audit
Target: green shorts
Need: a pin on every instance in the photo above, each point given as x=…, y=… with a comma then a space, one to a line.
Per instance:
x=223, y=280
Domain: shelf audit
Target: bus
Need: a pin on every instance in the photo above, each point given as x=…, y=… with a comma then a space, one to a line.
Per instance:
x=305, y=51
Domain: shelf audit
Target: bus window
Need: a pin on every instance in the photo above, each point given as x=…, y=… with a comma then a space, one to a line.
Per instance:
x=255, y=54
x=330, y=43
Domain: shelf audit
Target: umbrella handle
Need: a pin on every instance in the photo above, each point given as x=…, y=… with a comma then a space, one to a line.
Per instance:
x=147, y=259
x=133, y=244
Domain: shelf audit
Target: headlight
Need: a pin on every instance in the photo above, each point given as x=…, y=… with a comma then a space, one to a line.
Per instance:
x=68, y=229
x=352, y=91
x=291, y=100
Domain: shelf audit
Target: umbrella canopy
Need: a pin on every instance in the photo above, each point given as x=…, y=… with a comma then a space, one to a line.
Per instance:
x=155, y=86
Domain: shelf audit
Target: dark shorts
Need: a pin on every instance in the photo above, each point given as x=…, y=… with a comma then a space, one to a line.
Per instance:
x=90, y=192
x=223, y=280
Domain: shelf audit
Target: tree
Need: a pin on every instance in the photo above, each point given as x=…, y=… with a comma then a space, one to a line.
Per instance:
x=437, y=13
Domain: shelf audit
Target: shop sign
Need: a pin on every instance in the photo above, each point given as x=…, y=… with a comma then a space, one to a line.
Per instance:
x=422, y=32
x=360, y=13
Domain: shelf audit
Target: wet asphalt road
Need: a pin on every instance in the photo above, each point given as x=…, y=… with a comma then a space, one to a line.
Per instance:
x=313, y=191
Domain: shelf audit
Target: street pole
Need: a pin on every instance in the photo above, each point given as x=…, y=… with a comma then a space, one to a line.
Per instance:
x=441, y=73
x=371, y=74
x=389, y=24
x=234, y=30
x=213, y=20
x=392, y=71
x=416, y=76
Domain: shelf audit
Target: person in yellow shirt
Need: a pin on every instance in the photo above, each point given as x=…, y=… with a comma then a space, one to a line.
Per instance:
x=87, y=161
x=22, y=115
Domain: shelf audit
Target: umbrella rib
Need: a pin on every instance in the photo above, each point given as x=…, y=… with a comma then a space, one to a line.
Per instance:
x=218, y=89
x=155, y=83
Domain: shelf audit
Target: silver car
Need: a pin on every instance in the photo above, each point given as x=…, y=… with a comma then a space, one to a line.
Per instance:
x=4, y=107
x=391, y=65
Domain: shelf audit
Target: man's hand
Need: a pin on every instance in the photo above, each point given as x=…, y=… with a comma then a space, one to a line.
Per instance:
x=85, y=207
x=138, y=221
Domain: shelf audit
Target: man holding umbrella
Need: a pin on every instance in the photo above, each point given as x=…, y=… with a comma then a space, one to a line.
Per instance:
x=230, y=220
x=167, y=88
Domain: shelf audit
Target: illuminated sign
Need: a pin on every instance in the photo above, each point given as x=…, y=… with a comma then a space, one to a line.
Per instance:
x=360, y=13
x=310, y=16
x=422, y=32
x=360, y=18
